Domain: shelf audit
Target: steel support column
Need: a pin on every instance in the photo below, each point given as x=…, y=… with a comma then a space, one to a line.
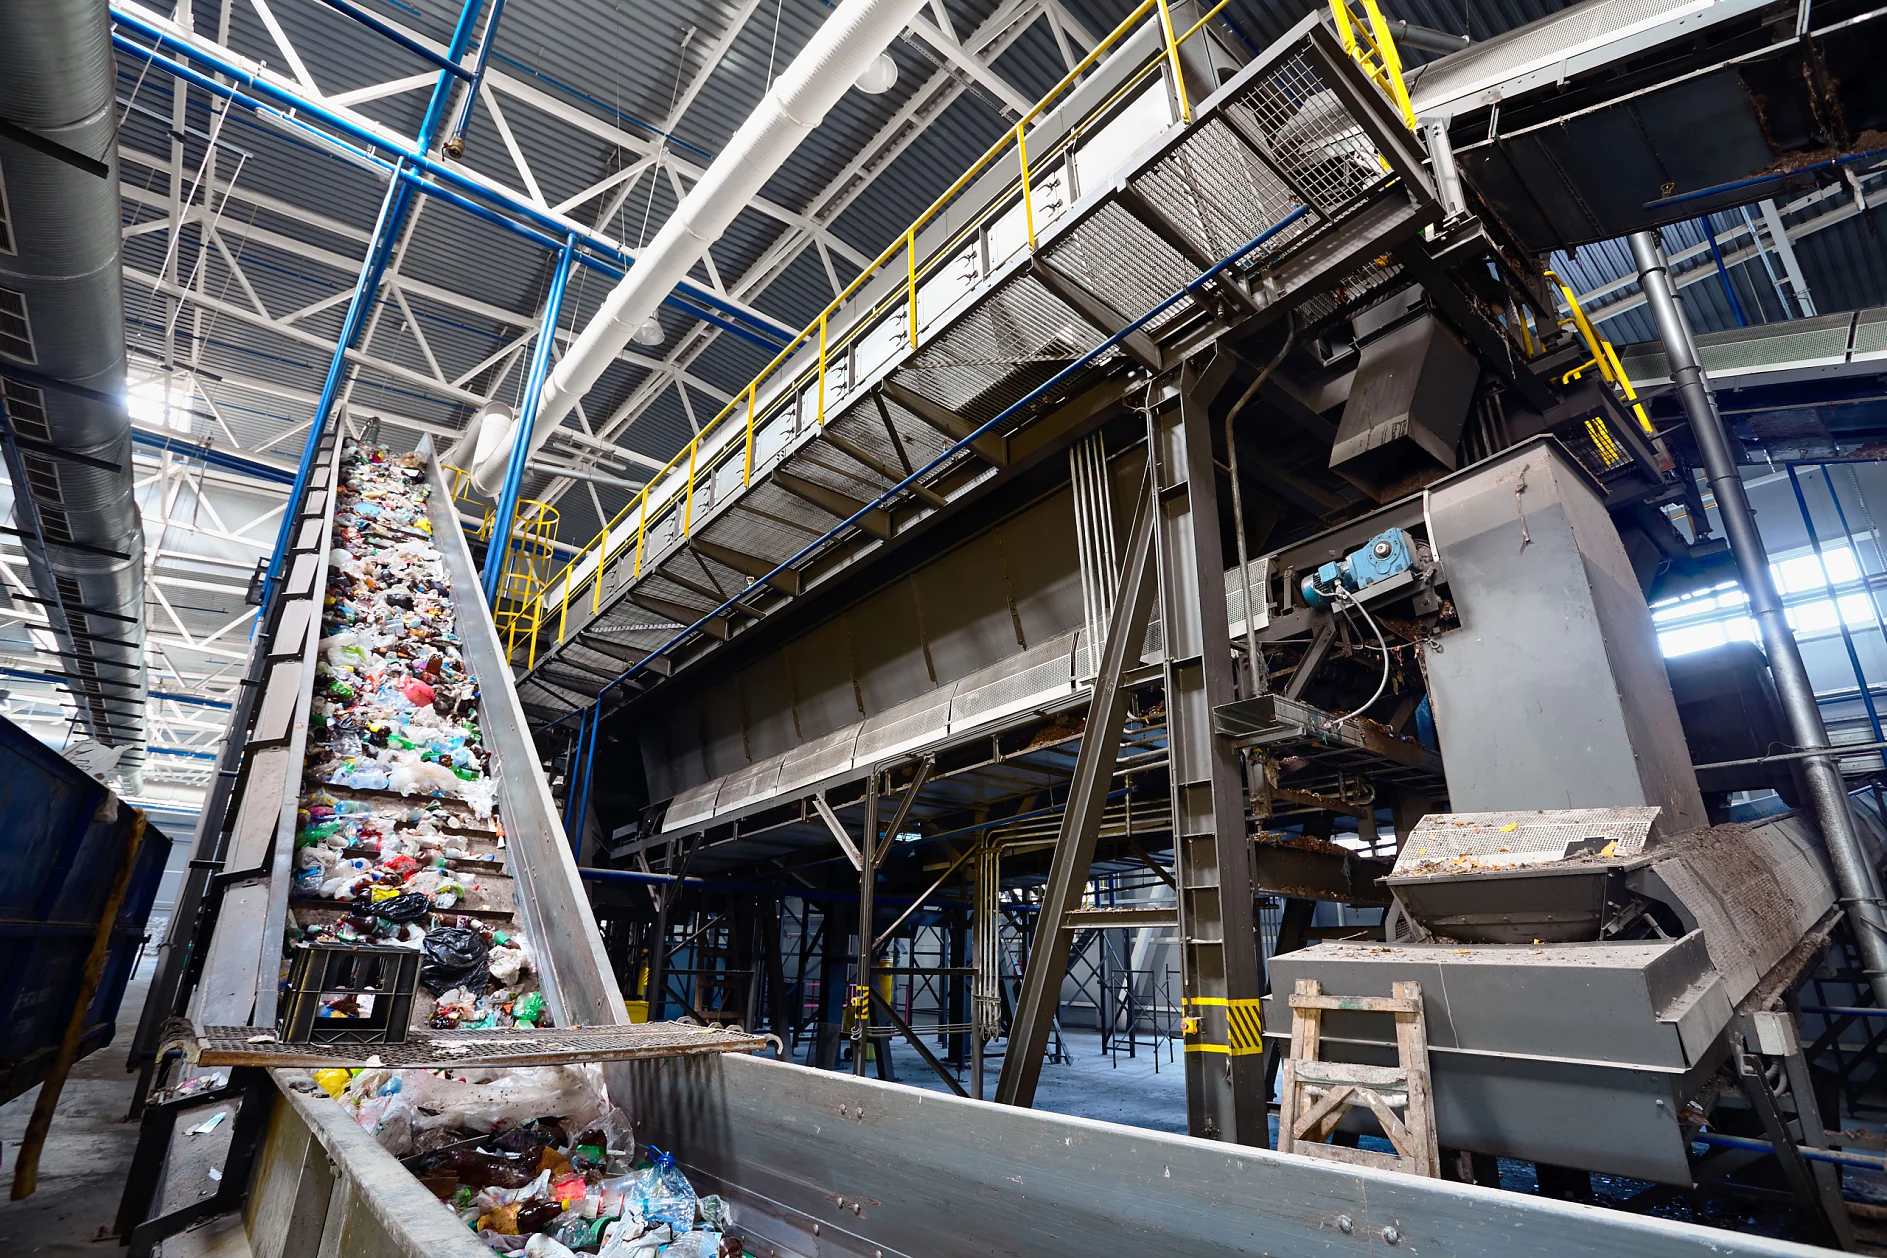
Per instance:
x=1225, y=1093
x=1827, y=793
x=498, y=550
x=1081, y=819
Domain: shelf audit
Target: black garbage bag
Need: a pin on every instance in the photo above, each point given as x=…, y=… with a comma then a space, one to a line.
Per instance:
x=401, y=909
x=455, y=957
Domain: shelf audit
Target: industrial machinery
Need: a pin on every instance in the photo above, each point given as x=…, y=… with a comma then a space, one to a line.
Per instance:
x=1473, y=583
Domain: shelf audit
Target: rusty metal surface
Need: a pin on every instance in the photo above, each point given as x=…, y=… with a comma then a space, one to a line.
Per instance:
x=553, y=1046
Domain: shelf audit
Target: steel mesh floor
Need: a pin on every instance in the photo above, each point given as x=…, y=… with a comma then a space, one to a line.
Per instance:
x=246, y=1046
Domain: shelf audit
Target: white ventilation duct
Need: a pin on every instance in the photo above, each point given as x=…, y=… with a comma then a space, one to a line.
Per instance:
x=844, y=47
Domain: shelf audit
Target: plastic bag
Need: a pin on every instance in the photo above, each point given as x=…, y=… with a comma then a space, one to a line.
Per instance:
x=486, y=1100
x=703, y=1244
x=542, y=1246
x=667, y=1196
x=402, y=909
x=389, y=1119
x=455, y=957
x=505, y=964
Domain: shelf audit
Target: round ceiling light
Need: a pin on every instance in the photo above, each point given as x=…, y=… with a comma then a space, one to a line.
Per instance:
x=650, y=333
x=880, y=76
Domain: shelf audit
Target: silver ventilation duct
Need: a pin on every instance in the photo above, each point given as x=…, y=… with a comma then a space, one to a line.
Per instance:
x=62, y=318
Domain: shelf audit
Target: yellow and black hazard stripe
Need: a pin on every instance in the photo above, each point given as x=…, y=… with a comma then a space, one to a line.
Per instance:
x=1214, y=1024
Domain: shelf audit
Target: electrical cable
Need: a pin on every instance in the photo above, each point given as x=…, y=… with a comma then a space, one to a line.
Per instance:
x=1341, y=593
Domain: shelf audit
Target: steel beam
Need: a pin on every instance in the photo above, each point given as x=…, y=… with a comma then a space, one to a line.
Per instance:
x=1081, y=819
x=498, y=552
x=1225, y=1094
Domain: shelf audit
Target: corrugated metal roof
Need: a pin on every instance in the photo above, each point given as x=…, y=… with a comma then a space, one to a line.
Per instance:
x=623, y=65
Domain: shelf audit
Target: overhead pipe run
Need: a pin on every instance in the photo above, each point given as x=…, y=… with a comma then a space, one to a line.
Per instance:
x=845, y=47
x=62, y=349
x=1827, y=794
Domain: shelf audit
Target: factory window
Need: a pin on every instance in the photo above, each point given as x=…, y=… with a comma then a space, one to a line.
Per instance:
x=16, y=334
x=1707, y=618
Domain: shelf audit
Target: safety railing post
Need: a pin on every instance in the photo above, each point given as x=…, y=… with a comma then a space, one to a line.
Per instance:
x=746, y=476
x=910, y=262
x=1028, y=192
x=822, y=370
x=1172, y=57
x=688, y=503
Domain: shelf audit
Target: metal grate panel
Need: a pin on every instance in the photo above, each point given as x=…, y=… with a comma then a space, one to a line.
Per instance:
x=913, y=723
x=1462, y=842
x=1013, y=340
x=244, y=1046
x=743, y=786
x=1040, y=675
x=817, y=760
x=1310, y=136
x=1221, y=193
x=1115, y=255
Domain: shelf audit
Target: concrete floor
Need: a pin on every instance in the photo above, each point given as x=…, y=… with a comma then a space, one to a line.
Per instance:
x=1115, y=1088
x=87, y=1153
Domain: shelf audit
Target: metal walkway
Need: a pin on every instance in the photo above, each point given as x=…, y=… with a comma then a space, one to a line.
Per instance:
x=995, y=332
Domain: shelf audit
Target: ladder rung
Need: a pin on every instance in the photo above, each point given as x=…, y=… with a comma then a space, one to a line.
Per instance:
x=1332, y=1073
x=1360, y=1004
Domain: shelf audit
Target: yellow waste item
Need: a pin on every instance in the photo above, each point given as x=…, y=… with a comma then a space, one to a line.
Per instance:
x=638, y=1010
x=333, y=1082
x=384, y=893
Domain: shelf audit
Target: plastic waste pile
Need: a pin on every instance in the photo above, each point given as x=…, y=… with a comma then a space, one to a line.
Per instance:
x=397, y=823
x=536, y=1161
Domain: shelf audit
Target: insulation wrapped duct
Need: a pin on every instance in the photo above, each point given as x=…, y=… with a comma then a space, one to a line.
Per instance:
x=62, y=317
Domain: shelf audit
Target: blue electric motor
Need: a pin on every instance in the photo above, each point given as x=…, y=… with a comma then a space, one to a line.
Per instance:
x=1383, y=556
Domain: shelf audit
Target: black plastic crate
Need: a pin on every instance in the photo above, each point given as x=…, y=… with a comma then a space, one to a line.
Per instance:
x=349, y=994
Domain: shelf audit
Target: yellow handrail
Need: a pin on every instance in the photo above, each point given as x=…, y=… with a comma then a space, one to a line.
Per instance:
x=1367, y=39
x=600, y=546
x=1603, y=355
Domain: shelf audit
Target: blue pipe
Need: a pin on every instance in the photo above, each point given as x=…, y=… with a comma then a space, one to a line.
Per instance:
x=442, y=90
x=1834, y=1157
x=455, y=134
x=192, y=699
x=589, y=764
x=1738, y=185
x=1847, y=531
x=179, y=751
x=570, y=780
x=1723, y=273
x=400, y=37
x=499, y=549
x=213, y=458
x=1211, y=273
x=1841, y=622
x=365, y=141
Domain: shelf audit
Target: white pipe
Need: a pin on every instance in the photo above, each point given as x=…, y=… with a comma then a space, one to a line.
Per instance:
x=848, y=42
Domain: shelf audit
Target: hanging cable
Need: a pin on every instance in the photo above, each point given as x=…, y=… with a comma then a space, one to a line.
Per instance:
x=1341, y=594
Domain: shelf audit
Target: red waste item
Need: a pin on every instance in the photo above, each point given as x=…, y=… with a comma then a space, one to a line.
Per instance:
x=417, y=692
